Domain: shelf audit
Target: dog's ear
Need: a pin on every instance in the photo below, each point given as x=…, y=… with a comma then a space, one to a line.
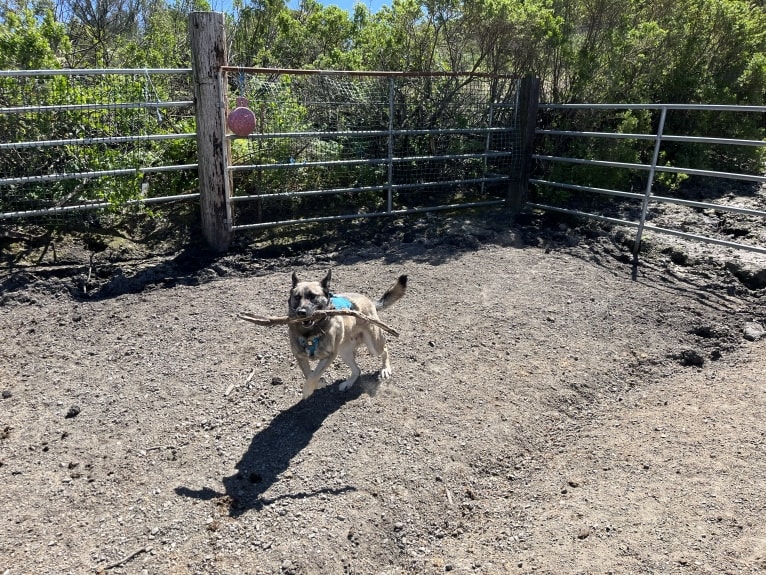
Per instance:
x=295, y=279
x=326, y=281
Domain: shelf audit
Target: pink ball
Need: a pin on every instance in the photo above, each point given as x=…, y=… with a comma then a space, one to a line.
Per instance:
x=241, y=119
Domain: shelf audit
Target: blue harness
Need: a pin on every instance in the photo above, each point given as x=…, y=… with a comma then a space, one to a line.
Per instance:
x=340, y=302
x=311, y=344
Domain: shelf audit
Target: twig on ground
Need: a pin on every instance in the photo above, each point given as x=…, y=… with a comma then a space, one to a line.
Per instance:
x=127, y=558
x=232, y=385
x=316, y=316
x=449, y=497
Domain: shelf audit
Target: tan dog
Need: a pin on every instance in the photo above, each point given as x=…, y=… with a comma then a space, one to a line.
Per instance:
x=338, y=335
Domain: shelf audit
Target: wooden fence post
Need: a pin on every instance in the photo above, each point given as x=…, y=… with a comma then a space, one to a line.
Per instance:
x=208, y=47
x=526, y=116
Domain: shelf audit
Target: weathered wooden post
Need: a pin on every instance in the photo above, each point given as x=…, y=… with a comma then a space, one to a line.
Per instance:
x=526, y=116
x=208, y=47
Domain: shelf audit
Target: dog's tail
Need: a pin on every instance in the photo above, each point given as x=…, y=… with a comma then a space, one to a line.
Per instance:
x=393, y=294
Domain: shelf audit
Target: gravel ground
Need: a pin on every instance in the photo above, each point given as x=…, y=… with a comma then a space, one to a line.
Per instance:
x=553, y=409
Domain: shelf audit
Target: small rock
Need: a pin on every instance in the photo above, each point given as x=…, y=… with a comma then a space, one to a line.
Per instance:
x=7, y=394
x=276, y=381
x=73, y=411
x=692, y=357
x=752, y=276
x=752, y=332
x=584, y=532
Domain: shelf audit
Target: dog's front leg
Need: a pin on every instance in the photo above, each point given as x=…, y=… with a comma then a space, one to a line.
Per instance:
x=305, y=366
x=312, y=379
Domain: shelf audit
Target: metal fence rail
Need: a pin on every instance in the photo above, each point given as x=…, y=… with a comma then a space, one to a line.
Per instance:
x=370, y=144
x=648, y=198
x=78, y=140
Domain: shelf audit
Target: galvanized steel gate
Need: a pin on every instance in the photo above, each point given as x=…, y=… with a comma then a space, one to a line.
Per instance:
x=331, y=146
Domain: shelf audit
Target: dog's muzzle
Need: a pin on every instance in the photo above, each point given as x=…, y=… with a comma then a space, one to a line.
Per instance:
x=304, y=312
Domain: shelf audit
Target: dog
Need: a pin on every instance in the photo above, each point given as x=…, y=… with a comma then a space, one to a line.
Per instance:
x=339, y=335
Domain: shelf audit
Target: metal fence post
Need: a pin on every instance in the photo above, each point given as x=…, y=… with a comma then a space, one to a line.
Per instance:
x=208, y=47
x=390, y=195
x=525, y=120
x=650, y=181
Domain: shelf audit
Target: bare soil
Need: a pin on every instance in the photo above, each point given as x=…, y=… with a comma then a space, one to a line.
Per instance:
x=554, y=408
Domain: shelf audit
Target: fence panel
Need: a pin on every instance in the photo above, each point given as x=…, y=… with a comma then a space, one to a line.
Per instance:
x=576, y=157
x=72, y=141
x=342, y=145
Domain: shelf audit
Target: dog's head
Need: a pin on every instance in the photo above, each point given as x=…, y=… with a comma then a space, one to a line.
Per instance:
x=306, y=297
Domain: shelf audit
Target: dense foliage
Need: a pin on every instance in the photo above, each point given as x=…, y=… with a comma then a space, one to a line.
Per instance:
x=685, y=51
x=584, y=50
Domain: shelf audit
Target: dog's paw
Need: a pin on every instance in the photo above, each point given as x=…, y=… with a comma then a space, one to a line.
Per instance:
x=348, y=383
x=385, y=373
x=308, y=389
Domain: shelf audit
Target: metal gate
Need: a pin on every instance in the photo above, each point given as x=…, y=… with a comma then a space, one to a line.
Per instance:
x=331, y=146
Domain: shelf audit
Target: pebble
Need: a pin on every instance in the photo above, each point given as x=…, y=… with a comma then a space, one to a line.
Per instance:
x=584, y=532
x=7, y=394
x=276, y=381
x=73, y=411
x=692, y=357
x=752, y=331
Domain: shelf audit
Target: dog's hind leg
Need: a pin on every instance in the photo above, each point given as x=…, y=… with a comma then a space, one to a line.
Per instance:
x=377, y=345
x=347, y=354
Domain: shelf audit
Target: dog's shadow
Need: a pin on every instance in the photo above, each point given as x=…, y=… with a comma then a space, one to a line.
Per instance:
x=273, y=448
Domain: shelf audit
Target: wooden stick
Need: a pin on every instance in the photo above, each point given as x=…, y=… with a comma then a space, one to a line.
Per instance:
x=317, y=316
x=128, y=558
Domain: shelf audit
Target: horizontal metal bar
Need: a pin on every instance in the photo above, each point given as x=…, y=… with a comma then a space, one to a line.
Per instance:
x=90, y=175
x=708, y=206
x=614, y=135
x=94, y=72
x=176, y=168
x=704, y=140
x=691, y=107
x=335, y=163
x=371, y=133
x=705, y=239
x=591, y=162
x=371, y=215
x=96, y=141
x=579, y=214
x=94, y=206
x=667, y=169
x=577, y=188
x=710, y=174
x=657, y=199
x=665, y=138
x=647, y=227
x=94, y=107
x=379, y=188
x=359, y=73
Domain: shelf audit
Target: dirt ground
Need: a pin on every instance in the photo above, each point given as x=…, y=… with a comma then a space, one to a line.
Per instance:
x=553, y=409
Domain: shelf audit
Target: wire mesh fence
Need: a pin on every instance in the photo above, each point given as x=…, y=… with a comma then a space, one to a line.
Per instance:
x=76, y=140
x=349, y=145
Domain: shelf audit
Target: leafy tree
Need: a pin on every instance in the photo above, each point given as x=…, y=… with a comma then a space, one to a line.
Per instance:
x=30, y=37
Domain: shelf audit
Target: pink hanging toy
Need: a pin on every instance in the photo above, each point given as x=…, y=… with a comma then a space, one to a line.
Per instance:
x=241, y=119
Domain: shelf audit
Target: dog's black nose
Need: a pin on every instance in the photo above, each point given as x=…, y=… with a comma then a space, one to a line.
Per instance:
x=302, y=311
